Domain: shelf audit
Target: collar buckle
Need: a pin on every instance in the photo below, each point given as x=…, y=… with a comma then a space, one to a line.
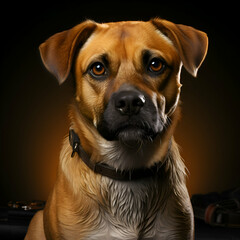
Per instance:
x=74, y=142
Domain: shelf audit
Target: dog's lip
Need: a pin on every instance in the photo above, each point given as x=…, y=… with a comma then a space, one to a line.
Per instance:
x=126, y=128
x=139, y=129
x=129, y=127
x=145, y=130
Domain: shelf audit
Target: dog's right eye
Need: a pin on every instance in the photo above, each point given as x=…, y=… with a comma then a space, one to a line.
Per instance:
x=97, y=70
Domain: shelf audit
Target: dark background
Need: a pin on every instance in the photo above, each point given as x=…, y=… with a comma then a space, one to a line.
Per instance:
x=34, y=108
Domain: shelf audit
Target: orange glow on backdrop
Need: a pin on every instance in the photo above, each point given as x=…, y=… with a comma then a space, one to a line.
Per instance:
x=34, y=108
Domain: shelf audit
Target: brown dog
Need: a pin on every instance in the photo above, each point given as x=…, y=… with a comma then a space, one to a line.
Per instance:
x=121, y=175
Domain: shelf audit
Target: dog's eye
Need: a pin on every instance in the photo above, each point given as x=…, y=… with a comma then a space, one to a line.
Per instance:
x=97, y=69
x=156, y=65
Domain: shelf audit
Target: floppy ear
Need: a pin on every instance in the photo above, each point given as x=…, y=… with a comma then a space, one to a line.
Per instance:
x=58, y=51
x=191, y=43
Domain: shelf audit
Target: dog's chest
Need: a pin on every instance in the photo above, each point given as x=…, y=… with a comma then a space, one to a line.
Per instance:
x=132, y=210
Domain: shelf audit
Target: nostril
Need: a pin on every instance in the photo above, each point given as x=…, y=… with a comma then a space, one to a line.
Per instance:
x=139, y=101
x=120, y=104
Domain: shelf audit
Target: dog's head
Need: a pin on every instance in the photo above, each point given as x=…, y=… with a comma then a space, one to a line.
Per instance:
x=127, y=73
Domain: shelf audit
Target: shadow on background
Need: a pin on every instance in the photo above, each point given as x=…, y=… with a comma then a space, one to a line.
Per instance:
x=34, y=109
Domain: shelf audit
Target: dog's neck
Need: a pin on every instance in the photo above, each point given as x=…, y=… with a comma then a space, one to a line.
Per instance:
x=108, y=171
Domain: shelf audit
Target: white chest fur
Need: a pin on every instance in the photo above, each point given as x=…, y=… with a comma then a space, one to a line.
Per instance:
x=148, y=209
x=133, y=211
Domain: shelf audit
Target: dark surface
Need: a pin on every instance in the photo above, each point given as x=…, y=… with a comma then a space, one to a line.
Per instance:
x=207, y=232
x=16, y=230
x=14, y=223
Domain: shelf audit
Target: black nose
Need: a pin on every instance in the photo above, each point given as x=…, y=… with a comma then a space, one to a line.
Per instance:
x=129, y=102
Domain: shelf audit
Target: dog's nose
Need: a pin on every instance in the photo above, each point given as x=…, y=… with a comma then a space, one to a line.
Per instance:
x=129, y=102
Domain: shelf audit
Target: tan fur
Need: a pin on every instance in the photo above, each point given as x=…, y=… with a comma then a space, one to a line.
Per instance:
x=85, y=205
x=35, y=230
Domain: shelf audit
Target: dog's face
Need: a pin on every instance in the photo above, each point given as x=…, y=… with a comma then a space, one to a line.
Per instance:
x=128, y=80
x=127, y=73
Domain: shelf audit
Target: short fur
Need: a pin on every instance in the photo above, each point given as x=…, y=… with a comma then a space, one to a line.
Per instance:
x=85, y=205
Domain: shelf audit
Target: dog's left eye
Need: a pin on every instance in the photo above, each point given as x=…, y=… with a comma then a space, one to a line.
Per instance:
x=97, y=69
x=156, y=65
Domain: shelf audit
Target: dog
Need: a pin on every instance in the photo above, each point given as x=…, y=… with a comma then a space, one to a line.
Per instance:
x=120, y=173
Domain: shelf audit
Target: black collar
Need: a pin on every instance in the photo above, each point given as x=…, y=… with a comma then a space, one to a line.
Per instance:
x=106, y=170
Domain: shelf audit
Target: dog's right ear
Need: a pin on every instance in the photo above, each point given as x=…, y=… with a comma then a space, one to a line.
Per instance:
x=58, y=51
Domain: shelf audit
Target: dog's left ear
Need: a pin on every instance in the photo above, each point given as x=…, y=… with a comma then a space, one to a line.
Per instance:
x=191, y=43
x=58, y=51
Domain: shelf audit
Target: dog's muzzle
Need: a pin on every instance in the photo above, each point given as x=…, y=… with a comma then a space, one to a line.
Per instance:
x=130, y=116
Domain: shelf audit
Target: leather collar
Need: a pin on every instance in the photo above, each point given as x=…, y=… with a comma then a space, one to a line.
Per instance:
x=106, y=170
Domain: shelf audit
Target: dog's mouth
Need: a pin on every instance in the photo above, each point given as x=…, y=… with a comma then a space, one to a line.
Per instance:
x=130, y=134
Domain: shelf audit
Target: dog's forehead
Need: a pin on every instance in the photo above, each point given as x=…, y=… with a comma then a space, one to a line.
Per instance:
x=126, y=39
x=109, y=35
x=123, y=30
x=137, y=32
